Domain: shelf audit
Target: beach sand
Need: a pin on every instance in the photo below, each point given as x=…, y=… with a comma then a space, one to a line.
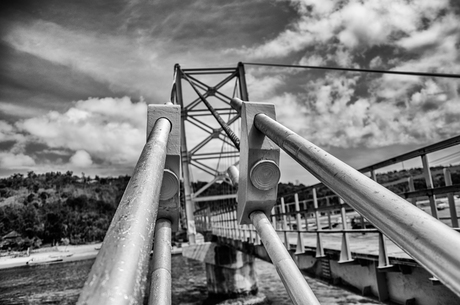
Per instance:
x=61, y=253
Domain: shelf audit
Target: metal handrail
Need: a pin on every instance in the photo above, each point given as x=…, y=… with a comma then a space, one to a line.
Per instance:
x=431, y=243
x=160, y=287
x=118, y=275
x=294, y=282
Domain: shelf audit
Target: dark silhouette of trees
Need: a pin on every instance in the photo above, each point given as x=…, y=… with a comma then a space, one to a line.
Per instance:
x=53, y=206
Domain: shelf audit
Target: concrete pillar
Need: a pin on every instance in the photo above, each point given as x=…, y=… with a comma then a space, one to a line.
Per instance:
x=230, y=273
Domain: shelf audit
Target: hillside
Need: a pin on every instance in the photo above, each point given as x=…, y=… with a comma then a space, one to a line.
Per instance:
x=56, y=207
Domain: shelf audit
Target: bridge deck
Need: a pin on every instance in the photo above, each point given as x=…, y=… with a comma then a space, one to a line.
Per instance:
x=362, y=245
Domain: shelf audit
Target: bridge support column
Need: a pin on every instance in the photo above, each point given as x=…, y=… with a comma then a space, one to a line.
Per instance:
x=230, y=273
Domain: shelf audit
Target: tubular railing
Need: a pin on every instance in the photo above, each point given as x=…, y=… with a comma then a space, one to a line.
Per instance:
x=119, y=274
x=431, y=243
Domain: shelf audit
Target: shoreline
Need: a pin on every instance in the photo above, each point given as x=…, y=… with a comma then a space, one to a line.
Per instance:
x=59, y=254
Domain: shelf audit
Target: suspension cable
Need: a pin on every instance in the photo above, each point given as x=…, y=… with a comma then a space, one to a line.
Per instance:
x=216, y=115
x=355, y=70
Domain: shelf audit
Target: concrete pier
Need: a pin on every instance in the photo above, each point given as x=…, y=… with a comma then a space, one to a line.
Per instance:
x=230, y=273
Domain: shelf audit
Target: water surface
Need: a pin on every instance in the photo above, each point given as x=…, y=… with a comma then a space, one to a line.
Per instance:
x=62, y=283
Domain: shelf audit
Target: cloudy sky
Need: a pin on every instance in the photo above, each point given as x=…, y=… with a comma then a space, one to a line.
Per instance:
x=75, y=76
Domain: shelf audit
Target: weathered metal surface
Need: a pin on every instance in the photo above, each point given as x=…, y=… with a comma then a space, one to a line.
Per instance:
x=160, y=285
x=118, y=275
x=430, y=242
x=293, y=280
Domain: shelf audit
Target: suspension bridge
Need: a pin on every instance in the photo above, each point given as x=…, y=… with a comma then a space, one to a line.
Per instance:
x=348, y=229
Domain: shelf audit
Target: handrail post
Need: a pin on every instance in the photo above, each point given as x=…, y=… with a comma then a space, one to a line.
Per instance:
x=273, y=215
x=345, y=253
x=300, y=244
x=429, y=185
x=384, y=261
x=450, y=198
x=118, y=275
x=319, y=243
x=285, y=226
x=410, y=180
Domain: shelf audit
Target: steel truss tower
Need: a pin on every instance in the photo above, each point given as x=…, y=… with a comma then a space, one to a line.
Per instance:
x=204, y=107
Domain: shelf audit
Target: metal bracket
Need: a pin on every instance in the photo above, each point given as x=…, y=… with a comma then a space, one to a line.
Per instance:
x=259, y=160
x=169, y=196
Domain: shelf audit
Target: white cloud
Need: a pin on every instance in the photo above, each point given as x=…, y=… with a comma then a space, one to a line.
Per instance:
x=9, y=160
x=332, y=116
x=118, y=60
x=312, y=60
x=262, y=87
x=81, y=158
x=352, y=24
x=288, y=111
x=19, y=111
x=376, y=62
x=110, y=129
x=9, y=133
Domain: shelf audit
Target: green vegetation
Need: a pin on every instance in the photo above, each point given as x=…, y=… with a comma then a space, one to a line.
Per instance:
x=55, y=207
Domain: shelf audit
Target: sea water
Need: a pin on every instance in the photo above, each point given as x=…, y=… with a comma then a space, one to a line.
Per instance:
x=61, y=283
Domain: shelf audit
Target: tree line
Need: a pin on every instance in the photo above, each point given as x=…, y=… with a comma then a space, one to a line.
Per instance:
x=57, y=207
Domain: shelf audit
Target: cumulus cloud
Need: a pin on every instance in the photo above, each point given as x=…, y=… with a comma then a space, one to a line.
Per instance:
x=262, y=87
x=110, y=129
x=81, y=159
x=312, y=60
x=8, y=133
x=94, y=132
x=13, y=157
x=332, y=115
x=18, y=161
